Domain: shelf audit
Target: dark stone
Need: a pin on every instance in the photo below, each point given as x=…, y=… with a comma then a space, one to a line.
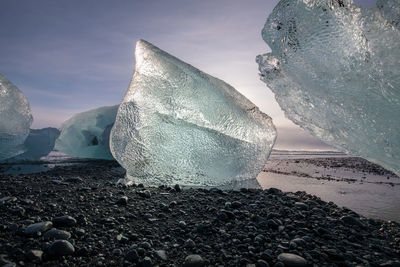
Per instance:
x=292, y=260
x=145, y=193
x=161, y=255
x=74, y=180
x=145, y=245
x=61, y=248
x=266, y=255
x=58, y=182
x=350, y=220
x=122, y=201
x=273, y=224
x=301, y=205
x=56, y=234
x=274, y=191
x=193, y=261
x=65, y=220
x=189, y=243
x=34, y=255
x=225, y=215
x=261, y=263
x=37, y=229
x=117, y=252
x=80, y=232
x=236, y=204
x=146, y=262
x=182, y=224
x=299, y=242
x=82, y=252
x=177, y=188
x=132, y=255
x=334, y=255
x=7, y=199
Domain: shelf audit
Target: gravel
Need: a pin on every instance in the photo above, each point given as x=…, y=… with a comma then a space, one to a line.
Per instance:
x=186, y=227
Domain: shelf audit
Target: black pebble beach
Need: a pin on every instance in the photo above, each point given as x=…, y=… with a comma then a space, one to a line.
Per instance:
x=78, y=216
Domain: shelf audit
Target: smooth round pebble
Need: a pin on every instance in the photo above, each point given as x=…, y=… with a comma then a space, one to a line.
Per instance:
x=161, y=254
x=292, y=260
x=193, y=261
x=37, y=229
x=65, y=220
x=56, y=234
x=61, y=248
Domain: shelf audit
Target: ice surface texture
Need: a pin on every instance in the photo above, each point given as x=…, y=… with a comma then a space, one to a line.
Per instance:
x=15, y=119
x=177, y=124
x=83, y=135
x=39, y=143
x=334, y=69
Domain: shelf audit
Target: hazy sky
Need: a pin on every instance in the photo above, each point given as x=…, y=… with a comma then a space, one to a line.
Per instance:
x=69, y=56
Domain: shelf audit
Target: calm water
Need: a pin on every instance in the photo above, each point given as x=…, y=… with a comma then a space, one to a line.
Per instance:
x=373, y=196
x=285, y=154
x=44, y=164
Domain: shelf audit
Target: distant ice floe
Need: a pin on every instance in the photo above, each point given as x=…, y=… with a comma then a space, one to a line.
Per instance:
x=39, y=143
x=86, y=134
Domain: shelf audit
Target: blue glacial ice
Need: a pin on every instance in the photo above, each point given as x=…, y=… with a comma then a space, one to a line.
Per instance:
x=15, y=119
x=39, y=143
x=177, y=124
x=334, y=69
x=86, y=134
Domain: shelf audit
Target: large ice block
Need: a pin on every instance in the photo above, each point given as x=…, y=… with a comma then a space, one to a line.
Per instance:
x=177, y=124
x=83, y=134
x=39, y=143
x=334, y=69
x=15, y=119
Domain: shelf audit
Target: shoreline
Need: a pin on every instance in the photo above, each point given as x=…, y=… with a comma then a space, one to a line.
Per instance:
x=116, y=225
x=350, y=182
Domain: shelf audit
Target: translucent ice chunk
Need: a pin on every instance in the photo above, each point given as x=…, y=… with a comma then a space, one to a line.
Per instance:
x=334, y=69
x=177, y=124
x=105, y=136
x=15, y=119
x=39, y=143
x=82, y=135
x=390, y=10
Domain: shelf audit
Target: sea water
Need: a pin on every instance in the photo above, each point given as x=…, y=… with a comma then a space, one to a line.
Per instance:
x=372, y=195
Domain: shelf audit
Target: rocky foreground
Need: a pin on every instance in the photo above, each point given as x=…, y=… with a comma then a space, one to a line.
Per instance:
x=77, y=215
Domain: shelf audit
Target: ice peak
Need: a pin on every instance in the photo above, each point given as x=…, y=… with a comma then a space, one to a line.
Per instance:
x=177, y=124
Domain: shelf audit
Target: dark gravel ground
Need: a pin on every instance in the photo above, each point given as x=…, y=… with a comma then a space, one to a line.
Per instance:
x=86, y=219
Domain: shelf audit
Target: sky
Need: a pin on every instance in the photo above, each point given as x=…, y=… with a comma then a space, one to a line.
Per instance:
x=70, y=56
